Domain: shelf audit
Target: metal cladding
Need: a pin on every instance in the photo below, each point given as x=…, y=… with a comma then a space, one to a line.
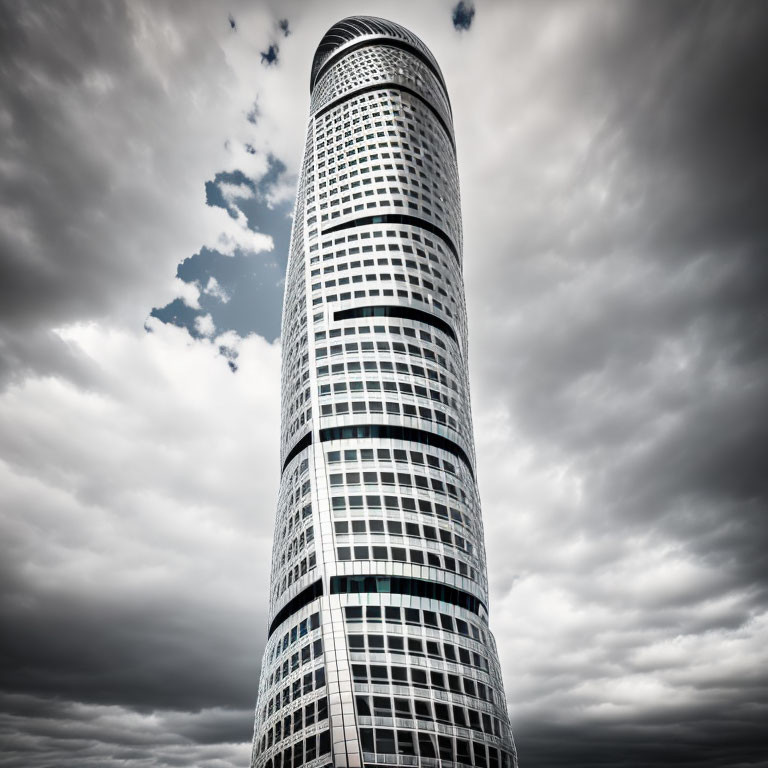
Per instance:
x=379, y=651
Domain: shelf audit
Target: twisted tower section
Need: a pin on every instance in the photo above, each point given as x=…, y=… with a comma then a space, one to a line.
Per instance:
x=379, y=651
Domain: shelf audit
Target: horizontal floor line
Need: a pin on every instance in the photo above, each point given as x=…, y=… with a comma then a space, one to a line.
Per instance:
x=406, y=313
x=398, y=218
x=383, y=86
x=393, y=432
x=305, y=597
x=400, y=585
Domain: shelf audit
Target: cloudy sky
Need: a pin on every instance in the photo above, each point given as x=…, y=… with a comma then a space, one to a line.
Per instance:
x=614, y=179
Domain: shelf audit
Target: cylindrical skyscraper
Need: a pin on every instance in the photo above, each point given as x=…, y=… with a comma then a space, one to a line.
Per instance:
x=379, y=651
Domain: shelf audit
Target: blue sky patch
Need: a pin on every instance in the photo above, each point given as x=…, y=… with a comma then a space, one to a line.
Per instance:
x=462, y=15
x=242, y=292
x=269, y=57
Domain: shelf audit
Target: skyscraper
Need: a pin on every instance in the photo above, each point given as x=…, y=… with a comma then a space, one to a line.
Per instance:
x=379, y=651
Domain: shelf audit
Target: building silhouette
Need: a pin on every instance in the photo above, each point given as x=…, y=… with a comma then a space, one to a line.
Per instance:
x=379, y=651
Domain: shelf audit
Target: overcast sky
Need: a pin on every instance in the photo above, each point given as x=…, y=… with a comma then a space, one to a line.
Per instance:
x=614, y=177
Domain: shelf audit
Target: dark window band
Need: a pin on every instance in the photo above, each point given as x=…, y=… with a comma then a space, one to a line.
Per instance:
x=305, y=442
x=383, y=86
x=407, y=313
x=392, y=432
x=384, y=432
x=389, y=42
x=305, y=597
x=399, y=585
x=397, y=218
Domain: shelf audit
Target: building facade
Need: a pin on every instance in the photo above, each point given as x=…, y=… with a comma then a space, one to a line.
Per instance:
x=379, y=651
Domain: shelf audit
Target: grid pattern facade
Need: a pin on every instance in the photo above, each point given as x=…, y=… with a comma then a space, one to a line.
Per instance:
x=379, y=651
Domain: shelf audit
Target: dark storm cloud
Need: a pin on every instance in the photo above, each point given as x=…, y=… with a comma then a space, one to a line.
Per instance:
x=38, y=732
x=630, y=332
x=53, y=180
x=130, y=641
x=85, y=96
x=110, y=123
x=462, y=15
x=129, y=652
x=697, y=119
x=269, y=57
x=731, y=740
x=686, y=268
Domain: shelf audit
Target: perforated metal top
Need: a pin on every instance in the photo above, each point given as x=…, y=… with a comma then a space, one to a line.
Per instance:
x=356, y=27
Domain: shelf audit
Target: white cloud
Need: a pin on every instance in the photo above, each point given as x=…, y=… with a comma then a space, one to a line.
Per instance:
x=204, y=325
x=212, y=288
x=232, y=192
x=231, y=234
x=109, y=197
x=189, y=293
x=134, y=491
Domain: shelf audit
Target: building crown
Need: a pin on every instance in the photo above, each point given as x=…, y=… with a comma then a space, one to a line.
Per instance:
x=351, y=29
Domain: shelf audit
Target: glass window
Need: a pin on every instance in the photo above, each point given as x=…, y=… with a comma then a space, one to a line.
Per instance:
x=427, y=745
x=385, y=741
x=394, y=643
x=405, y=744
